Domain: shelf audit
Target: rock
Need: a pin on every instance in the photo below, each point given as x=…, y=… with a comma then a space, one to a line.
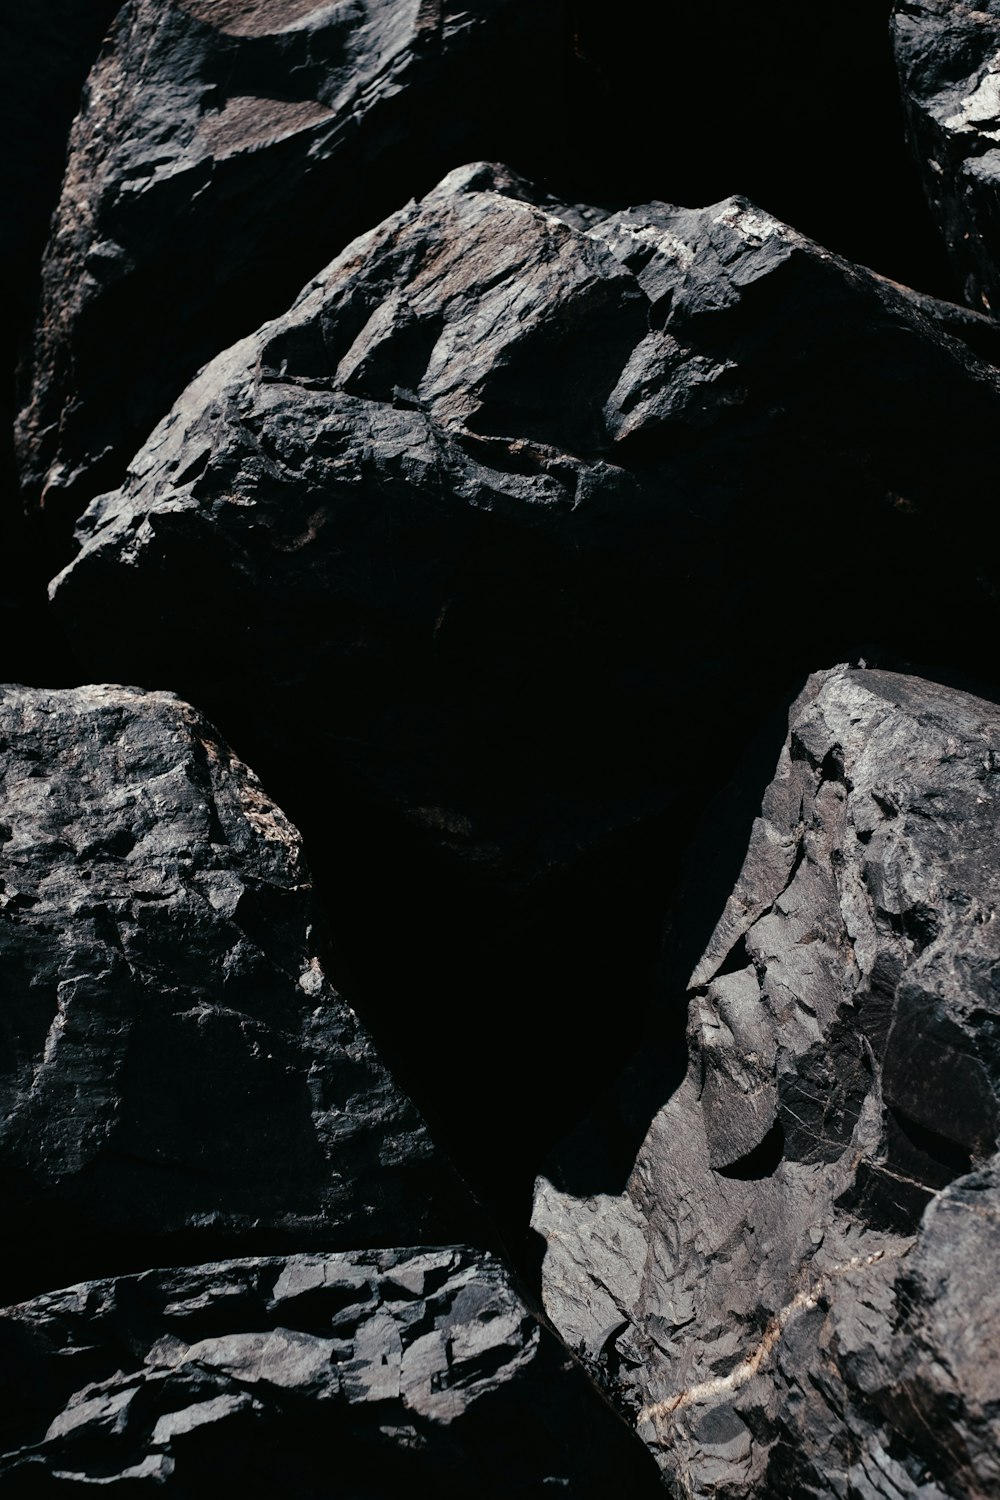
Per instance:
x=790, y=1293
x=379, y=1372
x=177, y=1072
x=46, y=50
x=499, y=510
x=223, y=153
x=947, y=55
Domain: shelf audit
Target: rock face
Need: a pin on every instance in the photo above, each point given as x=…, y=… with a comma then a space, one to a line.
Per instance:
x=223, y=153
x=176, y=1069
x=790, y=1293
x=948, y=56
x=381, y=1373
x=482, y=521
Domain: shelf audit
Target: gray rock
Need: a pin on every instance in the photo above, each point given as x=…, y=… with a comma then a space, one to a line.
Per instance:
x=224, y=152
x=792, y=1292
x=176, y=1070
x=470, y=536
x=948, y=56
x=375, y=1373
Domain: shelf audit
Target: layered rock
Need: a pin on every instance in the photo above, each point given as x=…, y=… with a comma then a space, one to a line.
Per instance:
x=471, y=537
x=369, y=1372
x=948, y=56
x=791, y=1291
x=176, y=1068
x=223, y=153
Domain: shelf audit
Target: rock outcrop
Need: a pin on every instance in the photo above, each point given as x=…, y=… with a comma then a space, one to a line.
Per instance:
x=792, y=1293
x=364, y=1375
x=224, y=152
x=176, y=1069
x=948, y=56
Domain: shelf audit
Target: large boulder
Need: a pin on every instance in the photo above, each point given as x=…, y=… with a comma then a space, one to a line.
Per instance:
x=362, y=1375
x=224, y=152
x=176, y=1071
x=948, y=56
x=480, y=551
x=792, y=1290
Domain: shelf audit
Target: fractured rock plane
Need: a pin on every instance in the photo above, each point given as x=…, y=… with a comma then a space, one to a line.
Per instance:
x=355, y=1374
x=794, y=1292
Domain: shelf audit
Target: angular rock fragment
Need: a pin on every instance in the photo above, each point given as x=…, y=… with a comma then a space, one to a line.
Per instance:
x=175, y=1069
x=948, y=56
x=474, y=534
x=371, y=1372
x=794, y=1292
x=223, y=153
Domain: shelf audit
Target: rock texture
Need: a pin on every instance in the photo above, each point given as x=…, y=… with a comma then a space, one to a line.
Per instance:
x=793, y=1293
x=495, y=497
x=223, y=153
x=364, y=1375
x=176, y=1069
x=948, y=56
x=471, y=537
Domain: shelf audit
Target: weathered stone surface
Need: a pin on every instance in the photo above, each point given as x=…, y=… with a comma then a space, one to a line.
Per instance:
x=175, y=1066
x=948, y=56
x=473, y=535
x=223, y=153
x=791, y=1293
x=364, y=1374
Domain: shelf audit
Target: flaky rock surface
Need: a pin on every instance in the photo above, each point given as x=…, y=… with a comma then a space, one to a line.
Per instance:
x=948, y=56
x=791, y=1293
x=223, y=153
x=357, y=1374
x=175, y=1065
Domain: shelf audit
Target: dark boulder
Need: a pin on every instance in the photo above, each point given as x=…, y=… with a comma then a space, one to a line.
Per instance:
x=177, y=1073
x=224, y=152
x=361, y=1375
x=792, y=1292
x=948, y=56
x=459, y=549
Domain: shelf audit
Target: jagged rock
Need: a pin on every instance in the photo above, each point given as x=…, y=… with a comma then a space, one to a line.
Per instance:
x=793, y=1292
x=376, y=1374
x=224, y=152
x=948, y=56
x=175, y=1067
x=511, y=494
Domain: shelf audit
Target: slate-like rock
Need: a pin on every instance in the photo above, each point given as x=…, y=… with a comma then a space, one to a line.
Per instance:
x=793, y=1292
x=176, y=1070
x=366, y=1375
x=224, y=152
x=948, y=57
x=459, y=550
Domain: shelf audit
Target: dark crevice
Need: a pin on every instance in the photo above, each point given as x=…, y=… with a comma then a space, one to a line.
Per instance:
x=763, y=1161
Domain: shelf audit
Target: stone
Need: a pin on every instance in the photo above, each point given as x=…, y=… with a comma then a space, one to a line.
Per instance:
x=224, y=152
x=367, y=1370
x=177, y=1070
x=790, y=1292
x=948, y=57
x=470, y=538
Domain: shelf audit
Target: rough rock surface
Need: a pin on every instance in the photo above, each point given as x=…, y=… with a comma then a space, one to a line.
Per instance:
x=948, y=56
x=224, y=152
x=471, y=533
x=364, y=1375
x=175, y=1068
x=794, y=1292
